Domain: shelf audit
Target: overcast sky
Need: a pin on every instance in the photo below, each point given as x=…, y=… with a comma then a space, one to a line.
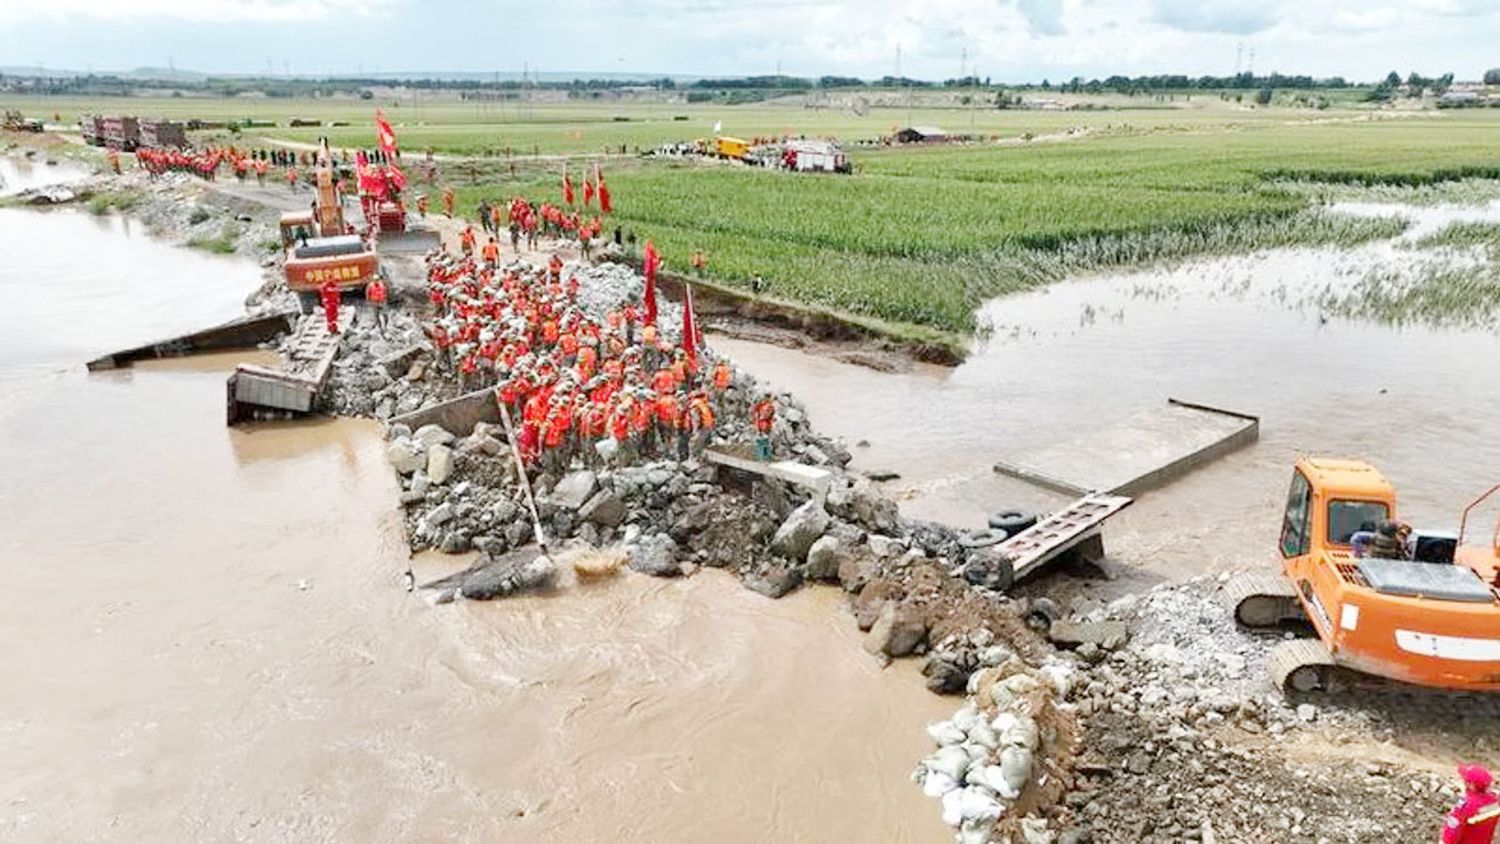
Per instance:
x=1009, y=40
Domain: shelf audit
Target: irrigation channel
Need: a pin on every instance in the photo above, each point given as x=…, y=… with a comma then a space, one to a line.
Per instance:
x=207, y=638
x=1242, y=332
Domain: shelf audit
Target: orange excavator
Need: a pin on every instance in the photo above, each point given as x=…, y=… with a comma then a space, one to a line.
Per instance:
x=1419, y=608
x=321, y=246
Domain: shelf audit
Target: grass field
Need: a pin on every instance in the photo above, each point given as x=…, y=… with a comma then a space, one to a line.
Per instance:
x=926, y=236
x=923, y=236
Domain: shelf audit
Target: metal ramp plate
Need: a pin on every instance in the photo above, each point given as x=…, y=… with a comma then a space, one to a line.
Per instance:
x=1425, y=580
x=1060, y=531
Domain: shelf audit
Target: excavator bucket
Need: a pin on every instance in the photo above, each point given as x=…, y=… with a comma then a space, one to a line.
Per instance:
x=409, y=242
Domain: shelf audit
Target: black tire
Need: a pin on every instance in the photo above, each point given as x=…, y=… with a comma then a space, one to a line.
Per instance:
x=982, y=539
x=1042, y=613
x=307, y=302
x=1012, y=521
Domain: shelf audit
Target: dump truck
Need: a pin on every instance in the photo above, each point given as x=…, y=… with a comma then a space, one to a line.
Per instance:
x=727, y=147
x=92, y=128
x=1424, y=611
x=321, y=246
x=121, y=133
x=163, y=133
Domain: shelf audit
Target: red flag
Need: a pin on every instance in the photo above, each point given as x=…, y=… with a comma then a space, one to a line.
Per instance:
x=650, y=263
x=567, y=187
x=384, y=134
x=398, y=178
x=588, y=192
x=691, y=337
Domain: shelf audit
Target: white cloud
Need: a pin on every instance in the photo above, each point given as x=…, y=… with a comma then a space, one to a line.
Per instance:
x=194, y=11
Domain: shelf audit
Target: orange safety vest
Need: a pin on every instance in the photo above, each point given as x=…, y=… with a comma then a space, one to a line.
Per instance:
x=375, y=292
x=666, y=409
x=765, y=415
x=492, y=252
x=703, y=415
x=722, y=376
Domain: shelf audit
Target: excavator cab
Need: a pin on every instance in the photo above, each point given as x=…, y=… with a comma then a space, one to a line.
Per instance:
x=1428, y=614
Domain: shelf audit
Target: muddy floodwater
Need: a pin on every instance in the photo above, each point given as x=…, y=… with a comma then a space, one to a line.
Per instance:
x=206, y=638
x=1422, y=404
x=18, y=173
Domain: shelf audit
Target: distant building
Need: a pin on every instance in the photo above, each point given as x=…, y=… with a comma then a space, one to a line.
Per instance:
x=921, y=135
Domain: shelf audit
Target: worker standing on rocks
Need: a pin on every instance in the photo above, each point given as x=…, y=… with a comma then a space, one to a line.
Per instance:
x=329, y=292
x=491, y=253
x=764, y=416
x=375, y=294
x=1473, y=820
x=448, y=201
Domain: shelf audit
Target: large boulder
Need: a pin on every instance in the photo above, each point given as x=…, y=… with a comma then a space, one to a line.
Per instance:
x=1109, y=635
x=801, y=529
x=603, y=508
x=431, y=435
x=898, y=631
x=824, y=557
x=574, y=490
x=774, y=582
x=406, y=455
x=439, y=463
x=656, y=555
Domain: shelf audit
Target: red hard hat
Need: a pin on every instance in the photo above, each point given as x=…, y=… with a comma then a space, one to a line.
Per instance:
x=1475, y=775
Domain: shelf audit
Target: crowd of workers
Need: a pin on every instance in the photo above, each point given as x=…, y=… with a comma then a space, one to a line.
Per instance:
x=578, y=386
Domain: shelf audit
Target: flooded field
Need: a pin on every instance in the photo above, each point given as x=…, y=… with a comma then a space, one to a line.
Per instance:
x=1239, y=333
x=207, y=638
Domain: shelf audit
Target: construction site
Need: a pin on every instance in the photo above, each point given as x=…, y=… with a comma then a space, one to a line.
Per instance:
x=379, y=520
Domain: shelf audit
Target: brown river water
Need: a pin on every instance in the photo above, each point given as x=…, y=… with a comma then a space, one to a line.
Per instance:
x=1422, y=404
x=206, y=638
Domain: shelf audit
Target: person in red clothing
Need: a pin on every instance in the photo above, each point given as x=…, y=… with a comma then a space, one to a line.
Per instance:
x=375, y=294
x=291, y=177
x=1473, y=820
x=764, y=416
x=329, y=293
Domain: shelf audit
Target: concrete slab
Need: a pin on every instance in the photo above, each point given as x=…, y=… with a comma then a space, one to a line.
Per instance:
x=235, y=334
x=1139, y=452
x=813, y=478
x=457, y=416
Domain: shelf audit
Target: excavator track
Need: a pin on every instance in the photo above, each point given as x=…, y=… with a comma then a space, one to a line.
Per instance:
x=1301, y=665
x=1261, y=600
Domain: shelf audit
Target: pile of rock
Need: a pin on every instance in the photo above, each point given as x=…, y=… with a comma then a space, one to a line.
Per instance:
x=1183, y=736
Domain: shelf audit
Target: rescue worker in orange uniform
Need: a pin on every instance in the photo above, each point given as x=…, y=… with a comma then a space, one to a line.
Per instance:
x=448, y=202
x=1473, y=820
x=698, y=423
x=329, y=293
x=291, y=178
x=764, y=416
x=375, y=294
x=466, y=240
x=491, y=252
